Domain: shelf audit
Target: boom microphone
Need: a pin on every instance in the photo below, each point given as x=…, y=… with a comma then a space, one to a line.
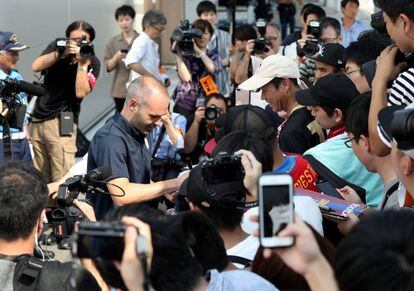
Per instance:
x=30, y=88
x=98, y=174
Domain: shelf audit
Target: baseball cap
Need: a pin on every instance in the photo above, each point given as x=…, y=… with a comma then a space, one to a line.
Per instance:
x=9, y=42
x=271, y=67
x=249, y=118
x=332, y=54
x=208, y=196
x=392, y=127
x=334, y=90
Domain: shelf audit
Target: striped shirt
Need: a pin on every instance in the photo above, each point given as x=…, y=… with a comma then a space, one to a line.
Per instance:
x=402, y=90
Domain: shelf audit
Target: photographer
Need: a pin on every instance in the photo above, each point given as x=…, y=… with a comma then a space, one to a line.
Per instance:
x=23, y=196
x=399, y=19
x=350, y=26
x=69, y=75
x=143, y=58
x=201, y=129
x=116, y=50
x=9, y=55
x=188, y=94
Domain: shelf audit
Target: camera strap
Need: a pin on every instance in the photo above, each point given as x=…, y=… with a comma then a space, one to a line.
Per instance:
x=7, y=142
x=158, y=143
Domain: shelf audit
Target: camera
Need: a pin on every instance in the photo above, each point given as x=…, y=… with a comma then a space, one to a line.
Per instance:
x=86, y=49
x=184, y=36
x=312, y=46
x=402, y=128
x=222, y=169
x=260, y=44
x=212, y=112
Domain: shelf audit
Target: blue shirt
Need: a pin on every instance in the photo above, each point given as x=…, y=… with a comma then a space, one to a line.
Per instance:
x=166, y=149
x=352, y=35
x=22, y=96
x=288, y=165
x=122, y=147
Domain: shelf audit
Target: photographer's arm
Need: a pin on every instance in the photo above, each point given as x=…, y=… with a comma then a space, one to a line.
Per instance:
x=234, y=63
x=191, y=138
x=182, y=70
x=241, y=73
x=44, y=62
x=82, y=87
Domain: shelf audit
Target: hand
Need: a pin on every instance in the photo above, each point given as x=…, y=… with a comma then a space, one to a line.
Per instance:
x=74, y=49
x=249, y=46
x=301, y=42
x=199, y=114
x=386, y=69
x=252, y=171
x=171, y=196
x=173, y=46
x=269, y=52
x=182, y=176
x=131, y=268
x=346, y=226
x=232, y=49
x=86, y=209
x=197, y=50
x=166, y=119
x=119, y=56
x=349, y=194
x=53, y=189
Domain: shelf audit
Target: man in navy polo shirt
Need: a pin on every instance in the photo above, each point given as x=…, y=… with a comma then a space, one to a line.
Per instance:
x=120, y=144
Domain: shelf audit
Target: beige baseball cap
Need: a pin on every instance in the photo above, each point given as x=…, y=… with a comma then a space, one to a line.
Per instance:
x=271, y=67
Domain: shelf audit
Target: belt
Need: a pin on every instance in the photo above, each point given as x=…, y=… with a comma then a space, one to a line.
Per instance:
x=15, y=135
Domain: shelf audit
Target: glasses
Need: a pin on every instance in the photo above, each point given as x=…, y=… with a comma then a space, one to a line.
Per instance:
x=348, y=142
x=272, y=38
x=158, y=29
x=349, y=74
x=329, y=39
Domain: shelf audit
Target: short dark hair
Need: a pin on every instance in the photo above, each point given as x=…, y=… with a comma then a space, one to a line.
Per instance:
x=84, y=26
x=314, y=9
x=215, y=96
x=203, y=25
x=368, y=47
x=173, y=265
x=394, y=8
x=345, y=2
x=206, y=6
x=332, y=22
x=153, y=17
x=204, y=240
x=23, y=196
x=245, y=32
x=357, y=119
x=378, y=253
x=125, y=10
x=276, y=81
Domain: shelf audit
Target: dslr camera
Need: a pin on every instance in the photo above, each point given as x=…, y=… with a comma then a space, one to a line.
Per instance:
x=260, y=44
x=86, y=48
x=184, y=36
x=212, y=112
x=312, y=46
x=402, y=128
x=223, y=168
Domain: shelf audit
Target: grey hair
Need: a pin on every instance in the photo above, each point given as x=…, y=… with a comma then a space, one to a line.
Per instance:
x=153, y=17
x=3, y=52
x=137, y=89
x=274, y=25
x=332, y=22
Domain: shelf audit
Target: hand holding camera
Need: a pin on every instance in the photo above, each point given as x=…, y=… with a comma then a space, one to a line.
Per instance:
x=80, y=49
x=387, y=70
x=252, y=171
x=199, y=114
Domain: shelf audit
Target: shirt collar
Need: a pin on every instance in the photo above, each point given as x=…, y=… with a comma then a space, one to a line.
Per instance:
x=128, y=128
x=120, y=37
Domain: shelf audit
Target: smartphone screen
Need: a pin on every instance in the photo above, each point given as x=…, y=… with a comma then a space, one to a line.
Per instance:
x=276, y=209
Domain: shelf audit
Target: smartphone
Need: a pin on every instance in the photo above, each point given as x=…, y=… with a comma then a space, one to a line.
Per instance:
x=125, y=51
x=99, y=240
x=275, y=209
x=327, y=189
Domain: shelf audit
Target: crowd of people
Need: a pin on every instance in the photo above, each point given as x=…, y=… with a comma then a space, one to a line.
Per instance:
x=329, y=104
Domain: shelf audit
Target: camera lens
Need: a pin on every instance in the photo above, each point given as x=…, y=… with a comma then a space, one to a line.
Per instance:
x=211, y=113
x=310, y=48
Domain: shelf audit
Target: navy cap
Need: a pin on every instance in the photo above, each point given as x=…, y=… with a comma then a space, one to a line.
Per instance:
x=332, y=54
x=9, y=42
x=333, y=90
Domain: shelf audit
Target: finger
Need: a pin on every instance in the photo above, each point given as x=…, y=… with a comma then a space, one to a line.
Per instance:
x=267, y=253
x=254, y=218
x=256, y=233
x=130, y=242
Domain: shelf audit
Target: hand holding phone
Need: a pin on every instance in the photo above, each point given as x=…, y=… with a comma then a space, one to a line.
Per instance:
x=275, y=209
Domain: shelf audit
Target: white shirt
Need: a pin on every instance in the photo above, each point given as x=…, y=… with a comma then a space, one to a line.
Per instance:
x=145, y=52
x=245, y=249
x=305, y=207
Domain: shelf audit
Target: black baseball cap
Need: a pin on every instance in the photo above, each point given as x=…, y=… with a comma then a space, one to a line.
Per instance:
x=332, y=54
x=333, y=90
x=249, y=118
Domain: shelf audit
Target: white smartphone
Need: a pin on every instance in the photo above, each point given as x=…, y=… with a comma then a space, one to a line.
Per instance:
x=275, y=209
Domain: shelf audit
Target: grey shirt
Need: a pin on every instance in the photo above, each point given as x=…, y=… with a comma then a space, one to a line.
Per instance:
x=221, y=40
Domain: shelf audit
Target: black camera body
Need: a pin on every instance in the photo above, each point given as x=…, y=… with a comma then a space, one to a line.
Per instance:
x=86, y=49
x=223, y=168
x=260, y=44
x=212, y=112
x=184, y=36
x=312, y=46
x=9, y=90
x=402, y=128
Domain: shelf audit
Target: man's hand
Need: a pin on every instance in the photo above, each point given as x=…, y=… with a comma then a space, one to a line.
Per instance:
x=119, y=56
x=53, y=189
x=249, y=46
x=86, y=209
x=346, y=226
x=386, y=69
x=131, y=268
x=199, y=114
x=349, y=194
x=252, y=171
x=301, y=42
x=166, y=119
x=269, y=52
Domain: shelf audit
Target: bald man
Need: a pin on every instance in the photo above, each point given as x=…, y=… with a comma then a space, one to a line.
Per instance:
x=120, y=144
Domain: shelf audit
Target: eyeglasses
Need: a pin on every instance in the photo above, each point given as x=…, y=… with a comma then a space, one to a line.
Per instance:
x=272, y=38
x=348, y=142
x=349, y=74
x=158, y=29
x=329, y=39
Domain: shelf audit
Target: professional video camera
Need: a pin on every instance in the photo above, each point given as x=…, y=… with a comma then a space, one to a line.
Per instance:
x=86, y=49
x=312, y=46
x=402, y=128
x=64, y=217
x=212, y=112
x=260, y=44
x=184, y=36
x=9, y=89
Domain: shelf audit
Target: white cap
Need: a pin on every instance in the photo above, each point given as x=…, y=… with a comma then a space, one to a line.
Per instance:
x=271, y=67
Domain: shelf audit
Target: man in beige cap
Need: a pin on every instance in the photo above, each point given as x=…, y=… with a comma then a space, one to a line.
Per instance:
x=278, y=78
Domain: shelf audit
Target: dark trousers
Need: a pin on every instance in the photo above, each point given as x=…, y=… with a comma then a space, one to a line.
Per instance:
x=20, y=149
x=286, y=19
x=119, y=103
